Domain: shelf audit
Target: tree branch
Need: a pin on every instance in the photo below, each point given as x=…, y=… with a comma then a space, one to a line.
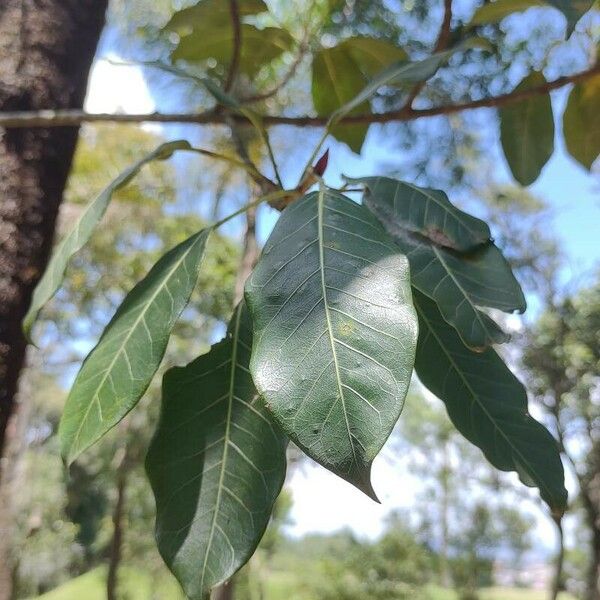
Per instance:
x=237, y=44
x=70, y=118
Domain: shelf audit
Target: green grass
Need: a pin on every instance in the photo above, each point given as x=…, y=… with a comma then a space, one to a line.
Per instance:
x=133, y=585
x=137, y=585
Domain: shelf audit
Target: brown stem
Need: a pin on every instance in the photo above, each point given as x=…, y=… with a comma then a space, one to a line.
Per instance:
x=116, y=544
x=62, y=118
x=558, y=562
x=237, y=44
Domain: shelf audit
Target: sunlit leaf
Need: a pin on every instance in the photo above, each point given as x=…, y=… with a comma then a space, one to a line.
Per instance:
x=78, y=236
x=581, y=122
x=426, y=211
x=216, y=464
x=117, y=372
x=335, y=332
x=527, y=132
x=488, y=405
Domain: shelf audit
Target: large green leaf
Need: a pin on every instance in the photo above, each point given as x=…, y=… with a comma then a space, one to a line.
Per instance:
x=117, y=372
x=216, y=464
x=426, y=211
x=259, y=46
x=458, y=282
x=581, y=122
x=496, y=11
x=81, y=233
x=341, y=72
x=335, y=332
x=527, y=132
x=488, y=405
x=211, y=14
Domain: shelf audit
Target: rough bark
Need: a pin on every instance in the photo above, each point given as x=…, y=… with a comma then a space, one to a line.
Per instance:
x=590, y=495
x=46, y=50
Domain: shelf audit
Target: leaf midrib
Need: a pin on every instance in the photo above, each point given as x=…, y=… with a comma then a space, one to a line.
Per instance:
x=320, y=228
x=220, y=487
x=475, y=397
x=118, y=353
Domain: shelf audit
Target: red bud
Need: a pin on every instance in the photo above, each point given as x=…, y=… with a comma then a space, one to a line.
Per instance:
x=321, y=164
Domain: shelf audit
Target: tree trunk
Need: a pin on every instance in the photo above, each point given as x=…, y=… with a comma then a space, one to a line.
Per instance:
x=558, y=563
x=117, y=538
x=590, y=495
x=47, y=48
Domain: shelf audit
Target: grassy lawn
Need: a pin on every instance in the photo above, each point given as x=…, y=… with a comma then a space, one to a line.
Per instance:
x=136, y=585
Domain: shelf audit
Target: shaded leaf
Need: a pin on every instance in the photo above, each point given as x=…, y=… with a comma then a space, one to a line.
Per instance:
x=259, y=46
x=527, y=132
x=77, y=237
x=211, y=14
x=216, y=464
x=372, y=55
x=494, y=12
x=488, y=405
x=581, y=122
x=117, y=372
x=426, y=211
x=335, y=332
x=458, y=282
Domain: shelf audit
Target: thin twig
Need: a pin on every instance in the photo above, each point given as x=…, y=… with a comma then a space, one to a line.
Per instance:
x=73, y=117
x=237, y=44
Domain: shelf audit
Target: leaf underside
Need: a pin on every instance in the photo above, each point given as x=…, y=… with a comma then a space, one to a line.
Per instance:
x=488, y=405
x=335, y=332
x=581, y=122
x=85, y=226
x=216, y=464
x=117, y=372
x=527, y=132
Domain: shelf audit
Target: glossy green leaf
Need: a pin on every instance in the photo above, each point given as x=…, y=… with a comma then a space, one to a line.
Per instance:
x=335, y=332
x=216, y=464
x=211, y=13
x=494, y=12
x=527, y=132
x=458, y=282
x=81, y=233
x=426, y=211
x=488, y=405
x=117, y=372
x=259, y=46
x=581, y=122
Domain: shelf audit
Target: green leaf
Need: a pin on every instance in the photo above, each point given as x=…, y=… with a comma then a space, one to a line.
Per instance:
x=117, y=372
x=341, y=72
x=259, y=46
x=81, y=233
x=426, y=211
x=216, y=464
x=336, y=79
x=458, y=282
x=488, y=405
x=211, y=14
x=581, y=122
x=496, y=11
x=527, y=132
x=335, y=332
